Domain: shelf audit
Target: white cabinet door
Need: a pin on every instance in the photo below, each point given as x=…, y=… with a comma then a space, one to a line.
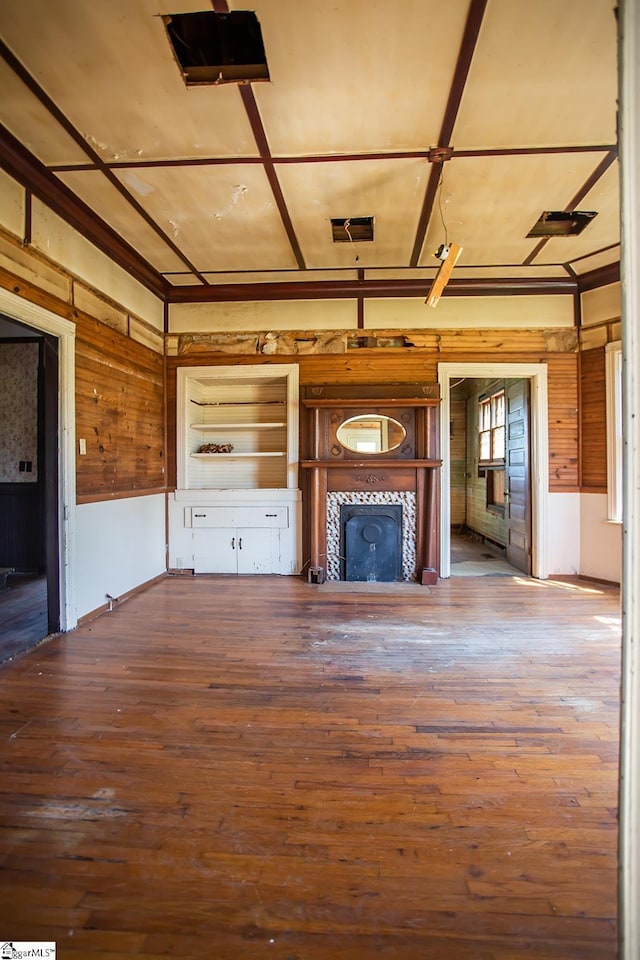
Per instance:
x=214, y=551
x=236, y=550
x=258, y=550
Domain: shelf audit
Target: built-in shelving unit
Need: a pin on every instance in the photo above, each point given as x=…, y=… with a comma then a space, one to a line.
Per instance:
x=223, y=509
x=252, y=408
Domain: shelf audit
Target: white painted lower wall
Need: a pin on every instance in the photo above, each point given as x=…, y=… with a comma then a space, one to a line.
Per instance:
x=600, y=540
x=563, y=526
x=581, y=540
x=120, y=544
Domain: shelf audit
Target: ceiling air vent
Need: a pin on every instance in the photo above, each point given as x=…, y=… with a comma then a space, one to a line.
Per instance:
x=215, y=47
x=561, y=223
x=351, y=229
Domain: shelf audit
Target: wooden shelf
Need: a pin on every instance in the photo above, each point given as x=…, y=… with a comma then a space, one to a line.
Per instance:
x=236, y=456
x=212, y=427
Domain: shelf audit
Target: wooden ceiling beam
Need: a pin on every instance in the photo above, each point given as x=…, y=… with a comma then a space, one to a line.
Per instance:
x=262, y=143
x=461, y=72
x=354, y=289
x=180, y=162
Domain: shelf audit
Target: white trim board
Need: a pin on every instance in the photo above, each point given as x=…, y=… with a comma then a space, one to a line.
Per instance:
x=16, y=308
x=629, y=137
x=537, y=374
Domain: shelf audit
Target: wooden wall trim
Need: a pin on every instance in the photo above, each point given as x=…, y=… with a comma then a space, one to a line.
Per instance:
x=120, y=495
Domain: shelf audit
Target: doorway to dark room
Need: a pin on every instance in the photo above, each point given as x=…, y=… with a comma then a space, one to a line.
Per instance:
x=29, y=534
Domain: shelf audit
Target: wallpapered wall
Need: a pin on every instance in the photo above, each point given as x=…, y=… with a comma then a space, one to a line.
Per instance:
x=18, y=411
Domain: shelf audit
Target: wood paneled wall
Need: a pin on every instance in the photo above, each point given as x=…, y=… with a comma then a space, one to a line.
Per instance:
x=458, y=464
x=593, y=420
x=563, y=422
x=420, y=365
x=119, y=412
x=119, y=390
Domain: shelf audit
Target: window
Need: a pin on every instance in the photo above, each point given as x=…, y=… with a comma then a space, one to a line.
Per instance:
x=495, y=491
x=491, y=429
x=614, y=430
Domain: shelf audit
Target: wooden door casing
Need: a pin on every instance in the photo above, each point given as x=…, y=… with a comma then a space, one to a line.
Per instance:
x=518, y=479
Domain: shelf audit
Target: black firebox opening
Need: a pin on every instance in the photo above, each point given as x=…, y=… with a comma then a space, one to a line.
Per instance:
x=371, y=542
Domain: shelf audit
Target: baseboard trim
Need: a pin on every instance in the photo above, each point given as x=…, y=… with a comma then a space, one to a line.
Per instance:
x=111, y=604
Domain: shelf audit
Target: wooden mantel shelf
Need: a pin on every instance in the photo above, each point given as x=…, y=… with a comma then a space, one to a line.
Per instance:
x=371, y=464
x=371, y=404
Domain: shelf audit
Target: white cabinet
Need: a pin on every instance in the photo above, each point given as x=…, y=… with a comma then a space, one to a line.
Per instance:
x=236, y=550
x=236, y=508
x=237, y=538
x=236, y=531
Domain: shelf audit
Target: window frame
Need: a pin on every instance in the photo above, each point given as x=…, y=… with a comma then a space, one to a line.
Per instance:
x=489, y=401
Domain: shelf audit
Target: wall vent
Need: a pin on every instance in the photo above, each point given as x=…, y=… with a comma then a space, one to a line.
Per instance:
x=351, y=229
x=561, y=223
x=215, y=47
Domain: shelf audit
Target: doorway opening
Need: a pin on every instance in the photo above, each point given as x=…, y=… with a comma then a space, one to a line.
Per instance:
x=38, y=488
x=29, y=538
x=490, y=477
x=495, y=470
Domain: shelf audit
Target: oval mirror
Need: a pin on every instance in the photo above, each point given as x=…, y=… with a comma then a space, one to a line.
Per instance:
x=370, y=433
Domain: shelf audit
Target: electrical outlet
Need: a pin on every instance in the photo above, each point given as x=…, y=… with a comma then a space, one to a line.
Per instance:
x=82, y=446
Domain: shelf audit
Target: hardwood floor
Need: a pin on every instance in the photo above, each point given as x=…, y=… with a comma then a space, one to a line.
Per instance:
x=239, y=768
x=23, y=615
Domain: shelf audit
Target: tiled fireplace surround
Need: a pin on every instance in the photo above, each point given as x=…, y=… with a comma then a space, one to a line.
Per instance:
x=407, y=499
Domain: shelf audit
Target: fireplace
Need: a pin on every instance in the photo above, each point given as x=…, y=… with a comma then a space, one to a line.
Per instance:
x=371, y=542
x=371, y=500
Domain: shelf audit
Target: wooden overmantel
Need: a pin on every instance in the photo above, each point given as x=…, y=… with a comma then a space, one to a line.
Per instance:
x=413, y=466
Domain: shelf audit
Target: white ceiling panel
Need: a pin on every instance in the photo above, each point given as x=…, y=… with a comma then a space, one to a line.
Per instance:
x=182, y=280
x=489, y=204
x=220, y=217
x=389, y=190
x=96, y=191
x=110, y=68
x=367, y=75
x=543, y=74
x=31, y=123
x=597, y=261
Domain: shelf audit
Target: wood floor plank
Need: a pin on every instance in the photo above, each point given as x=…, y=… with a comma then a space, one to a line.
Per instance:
x=234, y=768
